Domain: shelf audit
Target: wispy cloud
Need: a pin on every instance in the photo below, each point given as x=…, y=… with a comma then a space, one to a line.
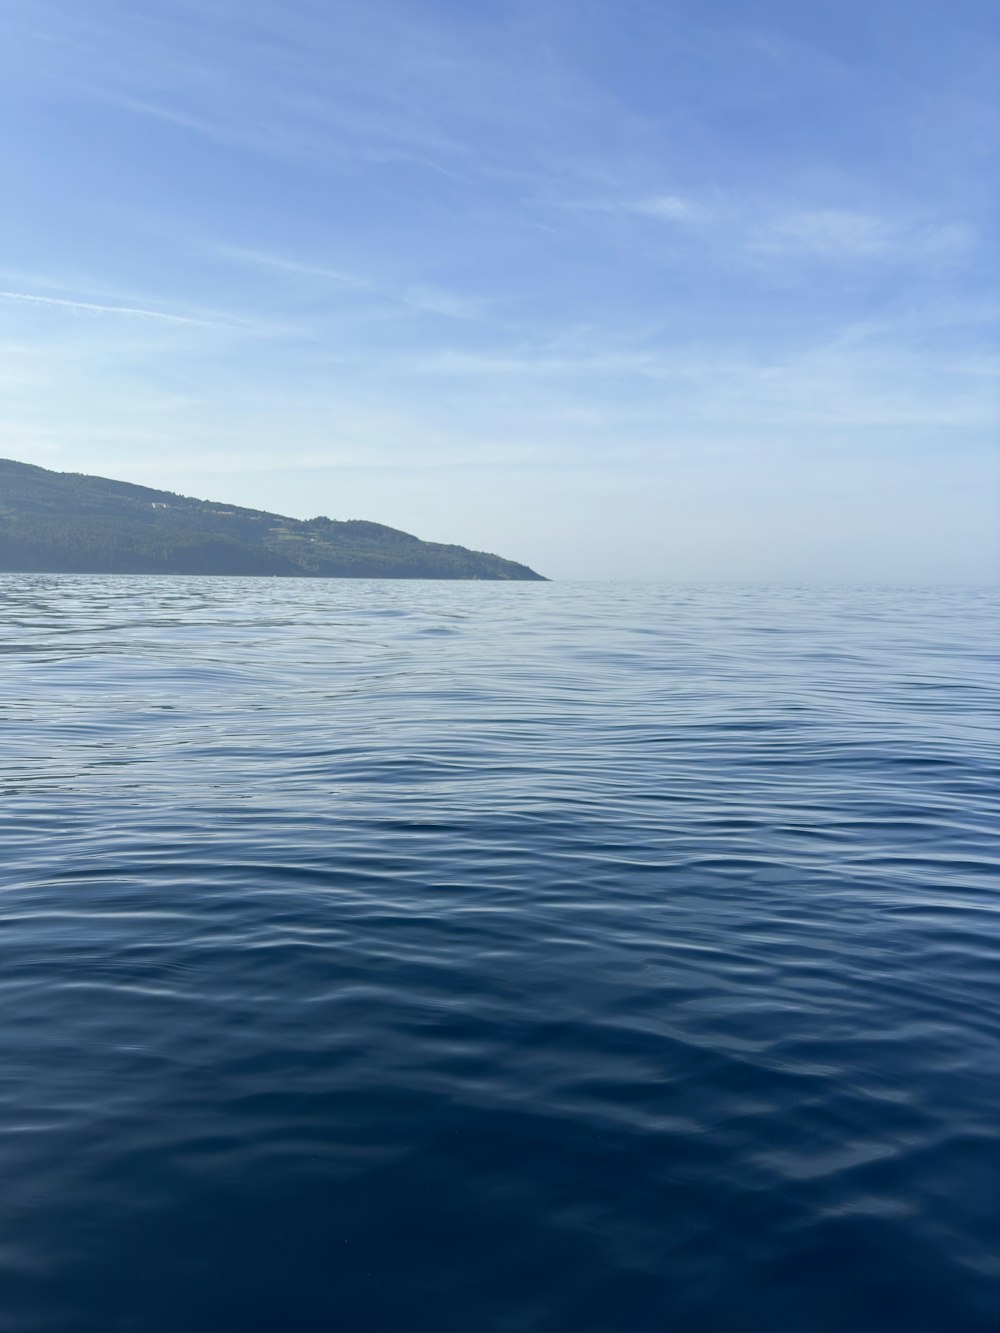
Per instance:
x=126, y=311
x=296, y=267
x=825, y=233
x=670, y=208
x=621, y=201
x=839, y=235
x=855, y=380
x=437, y=301
x=424, y=297
x=293, y=84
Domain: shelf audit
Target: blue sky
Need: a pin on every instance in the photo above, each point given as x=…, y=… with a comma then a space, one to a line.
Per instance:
x=689, y=290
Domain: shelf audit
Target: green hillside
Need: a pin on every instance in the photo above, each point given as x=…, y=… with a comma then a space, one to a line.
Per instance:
x=66, y=522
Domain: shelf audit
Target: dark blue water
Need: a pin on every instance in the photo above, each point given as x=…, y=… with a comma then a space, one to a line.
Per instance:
x=497, y=959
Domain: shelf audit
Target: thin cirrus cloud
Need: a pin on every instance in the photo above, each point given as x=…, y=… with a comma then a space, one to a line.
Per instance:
x=817, y=235
x=844, y=236
x=415, y=296
x=671, y=208
x=657, y=206
x=370, y=86
x=61, y=303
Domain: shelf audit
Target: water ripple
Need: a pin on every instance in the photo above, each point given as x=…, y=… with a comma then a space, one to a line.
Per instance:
x=530, y=958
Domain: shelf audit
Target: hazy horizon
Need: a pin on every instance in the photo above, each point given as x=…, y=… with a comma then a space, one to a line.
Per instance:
x=642, y=292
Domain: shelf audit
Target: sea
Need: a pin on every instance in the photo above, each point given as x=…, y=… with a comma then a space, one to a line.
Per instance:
x=396, y=956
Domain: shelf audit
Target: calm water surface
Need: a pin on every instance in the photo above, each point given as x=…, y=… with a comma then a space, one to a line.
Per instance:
x=476, y=958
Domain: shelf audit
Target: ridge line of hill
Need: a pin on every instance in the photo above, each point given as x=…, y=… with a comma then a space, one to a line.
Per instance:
x=74, y=523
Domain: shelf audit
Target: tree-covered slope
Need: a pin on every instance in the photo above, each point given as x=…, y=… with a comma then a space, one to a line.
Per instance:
x=65, y=522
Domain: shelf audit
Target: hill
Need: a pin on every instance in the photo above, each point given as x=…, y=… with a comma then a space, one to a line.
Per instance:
x=66, y=522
